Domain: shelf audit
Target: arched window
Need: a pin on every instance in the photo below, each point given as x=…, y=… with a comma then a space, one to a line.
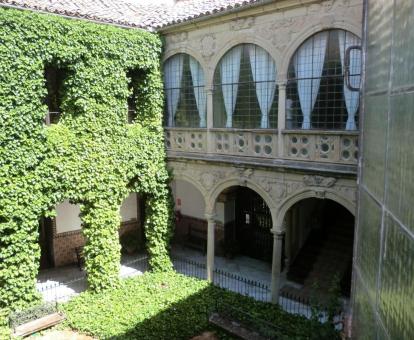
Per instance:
x=185, y=97
x=317, y=96
x=245, y=91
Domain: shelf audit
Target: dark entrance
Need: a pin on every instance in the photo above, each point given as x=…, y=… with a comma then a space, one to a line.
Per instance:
x=46, y=243
x=321, y=244
x=249, y=234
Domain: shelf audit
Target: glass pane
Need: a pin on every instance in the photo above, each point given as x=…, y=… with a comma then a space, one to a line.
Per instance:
x=247, y=107
x=316, y=82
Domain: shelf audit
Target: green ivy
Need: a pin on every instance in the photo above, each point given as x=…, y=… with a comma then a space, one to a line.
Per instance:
x=92, y=156
x=174, y=306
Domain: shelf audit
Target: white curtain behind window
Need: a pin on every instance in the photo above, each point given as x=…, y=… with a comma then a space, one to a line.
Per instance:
x=264, y=75
x=308, y=63
x=347, y=39
x=173, y=74
x=197, y=75
x=229, y=73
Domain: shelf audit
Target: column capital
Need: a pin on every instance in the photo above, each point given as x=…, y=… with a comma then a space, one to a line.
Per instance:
x=210, y=217
x=282, y=84
x=277, y=233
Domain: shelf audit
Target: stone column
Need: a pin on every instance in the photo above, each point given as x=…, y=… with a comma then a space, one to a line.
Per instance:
x=210, y=246
x=281, y=117
x=210, y=140
x=276, y=265
x=288, y=239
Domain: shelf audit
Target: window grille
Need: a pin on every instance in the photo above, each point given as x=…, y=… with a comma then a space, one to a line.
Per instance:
x=317, y=97
x=185, y=97
x=54, y=78
x=245, y=92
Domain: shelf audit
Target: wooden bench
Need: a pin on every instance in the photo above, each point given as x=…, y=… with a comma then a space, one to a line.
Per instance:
x=35, y=319
x=196, y=238
x=241, y=324
x=79, y=257
x=234, y=328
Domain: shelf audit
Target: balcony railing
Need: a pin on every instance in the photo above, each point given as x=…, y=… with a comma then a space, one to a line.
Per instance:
x=303, y=145
x=321, y=146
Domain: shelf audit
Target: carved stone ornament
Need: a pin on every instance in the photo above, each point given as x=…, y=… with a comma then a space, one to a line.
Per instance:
x=242, y=24
x=179, y=37
x=246, y=173
x=208, y=180
x=208, y=46
x=286, y=28
x=319, y=181
x=276, y=189
x=320, y=194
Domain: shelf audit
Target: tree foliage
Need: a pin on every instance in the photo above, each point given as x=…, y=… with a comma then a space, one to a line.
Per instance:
x=91, y=157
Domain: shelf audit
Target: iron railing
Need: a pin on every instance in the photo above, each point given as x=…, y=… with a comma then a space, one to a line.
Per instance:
x=53, y=291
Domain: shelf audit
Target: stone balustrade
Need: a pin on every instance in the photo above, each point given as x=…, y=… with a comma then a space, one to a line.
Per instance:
x=321, y=146
x=304, y=145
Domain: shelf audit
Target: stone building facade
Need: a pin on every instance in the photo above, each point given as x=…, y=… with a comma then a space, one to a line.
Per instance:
x=284, y=166
x=290, y=135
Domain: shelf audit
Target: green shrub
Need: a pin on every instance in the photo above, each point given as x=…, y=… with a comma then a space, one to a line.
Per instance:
x=92, y=156
x=173, y=306
x=4, y=329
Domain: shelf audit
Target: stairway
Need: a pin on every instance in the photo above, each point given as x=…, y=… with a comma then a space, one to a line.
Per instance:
x=326, y=252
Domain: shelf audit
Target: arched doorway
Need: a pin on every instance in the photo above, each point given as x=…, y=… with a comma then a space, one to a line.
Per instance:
x=190, y=234
x=319, y=246
x=247, y=222
x=243, y=240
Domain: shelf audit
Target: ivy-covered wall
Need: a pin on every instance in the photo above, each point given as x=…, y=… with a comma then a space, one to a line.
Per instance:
x=92, y=156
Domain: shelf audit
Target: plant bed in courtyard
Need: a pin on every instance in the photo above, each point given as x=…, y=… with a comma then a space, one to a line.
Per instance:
x=173, y=306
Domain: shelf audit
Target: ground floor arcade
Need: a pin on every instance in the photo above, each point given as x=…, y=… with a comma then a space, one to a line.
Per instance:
x=61, y=236
x=298, y=224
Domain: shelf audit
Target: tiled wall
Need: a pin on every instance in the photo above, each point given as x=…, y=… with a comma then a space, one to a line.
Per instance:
x=64, y=244
x=383, y=284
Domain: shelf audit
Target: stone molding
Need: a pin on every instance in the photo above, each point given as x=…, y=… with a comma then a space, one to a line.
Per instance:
x=279, y=189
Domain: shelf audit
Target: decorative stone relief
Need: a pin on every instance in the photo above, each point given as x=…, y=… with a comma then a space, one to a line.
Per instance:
x=208, y=179
x=276, y=189
x=208, y=46
x=281, y=32
x=265, y=184
x=320, y=194
x=246, y=173
x=327, y=5
x=293, y=186
x=319, y=181
x=325, y=146
x=178, y=38
x=279, y=190
x=242, y=24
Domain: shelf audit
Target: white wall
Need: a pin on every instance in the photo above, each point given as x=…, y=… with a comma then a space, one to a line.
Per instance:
x=129, y=209
x=67, y=218
x=192, y=202
x=220, y=212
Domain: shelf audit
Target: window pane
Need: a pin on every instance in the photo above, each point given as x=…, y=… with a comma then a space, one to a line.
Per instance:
x=323, y=93
x=183, y=94
x=249, y=93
